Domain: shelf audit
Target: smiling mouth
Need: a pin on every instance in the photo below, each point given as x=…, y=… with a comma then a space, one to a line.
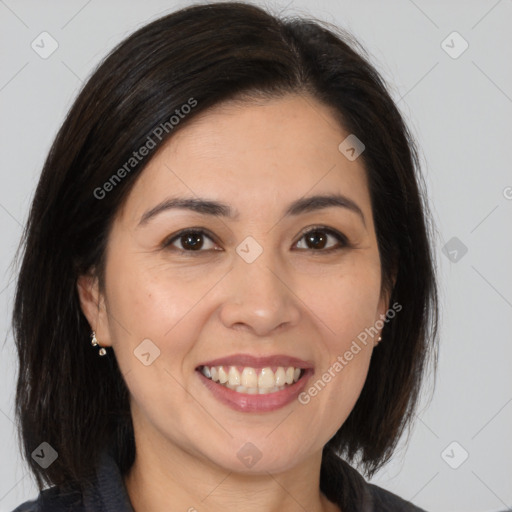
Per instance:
x=253, y=381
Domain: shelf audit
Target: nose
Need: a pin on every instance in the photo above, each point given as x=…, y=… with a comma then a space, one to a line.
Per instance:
x=259, y=297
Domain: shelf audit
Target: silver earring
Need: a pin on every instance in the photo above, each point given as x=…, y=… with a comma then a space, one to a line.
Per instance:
x=94, y=343
x=379, y=340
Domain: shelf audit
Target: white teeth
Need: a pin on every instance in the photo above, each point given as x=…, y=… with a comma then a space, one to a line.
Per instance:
x=289, y=375
x=281, y=376
x=250, y=381
x=234, y=376
x=249, y=378
x=223, y=376
x=266, y=379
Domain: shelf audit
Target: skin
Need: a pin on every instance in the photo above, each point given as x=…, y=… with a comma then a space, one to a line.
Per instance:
x=293, y=299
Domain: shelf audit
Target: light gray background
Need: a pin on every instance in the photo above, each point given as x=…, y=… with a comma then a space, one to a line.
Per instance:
x=460, y=111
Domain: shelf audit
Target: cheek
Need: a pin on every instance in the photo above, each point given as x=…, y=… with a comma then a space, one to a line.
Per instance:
x=152, y=298
x=155, y=303
x=346, y=302
x=346, y=305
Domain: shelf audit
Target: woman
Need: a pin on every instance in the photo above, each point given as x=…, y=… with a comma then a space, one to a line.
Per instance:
x=232, y=214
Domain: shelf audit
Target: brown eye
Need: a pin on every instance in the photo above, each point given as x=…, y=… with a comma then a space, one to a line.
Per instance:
x=192, y=241
x=197, y=240
x=316, y=239
x=189, y=240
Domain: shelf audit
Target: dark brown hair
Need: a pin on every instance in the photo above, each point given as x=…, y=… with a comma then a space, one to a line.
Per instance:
x=77, y=402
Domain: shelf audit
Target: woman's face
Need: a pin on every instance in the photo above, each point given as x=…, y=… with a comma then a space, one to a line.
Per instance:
x=254, y=284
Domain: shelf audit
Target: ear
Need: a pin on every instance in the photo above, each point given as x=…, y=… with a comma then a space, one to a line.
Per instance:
x=384, y=303
x=94, y=308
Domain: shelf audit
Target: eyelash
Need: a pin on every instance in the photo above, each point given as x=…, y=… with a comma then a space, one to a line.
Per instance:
x=342, y=240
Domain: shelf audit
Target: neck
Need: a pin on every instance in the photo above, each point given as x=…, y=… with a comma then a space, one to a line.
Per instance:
x=176, y=477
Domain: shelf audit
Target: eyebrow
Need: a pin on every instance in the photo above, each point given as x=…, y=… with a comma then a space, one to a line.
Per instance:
x=217, y=209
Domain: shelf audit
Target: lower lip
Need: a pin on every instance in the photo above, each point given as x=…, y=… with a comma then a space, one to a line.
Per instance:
x=244, y=402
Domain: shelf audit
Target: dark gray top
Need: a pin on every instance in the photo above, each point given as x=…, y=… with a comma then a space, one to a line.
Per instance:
x=108, y=494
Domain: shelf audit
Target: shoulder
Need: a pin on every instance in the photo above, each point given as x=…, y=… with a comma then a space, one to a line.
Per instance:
x=28, y=506
x=102, y=492
x=350, y=491
x=384, y=501
x=53, y=500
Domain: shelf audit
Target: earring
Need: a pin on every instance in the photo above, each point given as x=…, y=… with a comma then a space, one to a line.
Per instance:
x=379, y=340
x=94, y=343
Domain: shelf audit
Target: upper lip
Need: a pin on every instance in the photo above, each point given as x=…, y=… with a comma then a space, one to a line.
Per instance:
x=258, y=362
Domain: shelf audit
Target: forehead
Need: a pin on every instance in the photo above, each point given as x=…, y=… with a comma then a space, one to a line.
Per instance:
x=254, y=155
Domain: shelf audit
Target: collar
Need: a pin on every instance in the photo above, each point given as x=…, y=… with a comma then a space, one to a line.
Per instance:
x=108, y=493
